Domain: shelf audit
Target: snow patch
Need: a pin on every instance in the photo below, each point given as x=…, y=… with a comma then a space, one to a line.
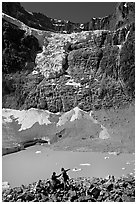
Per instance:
x=29, y=12
x=119, y=46
x=26, y=118
x=125, y=5
x=82, y=26
x=35, y=72
x=70, y=116
x=127, y=35
x=76, y=115
x=64, y=118
x=104, y=133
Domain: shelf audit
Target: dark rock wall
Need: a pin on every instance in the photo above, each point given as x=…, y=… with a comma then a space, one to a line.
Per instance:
x=35, y=20
x=18, y=59
x=17, y=48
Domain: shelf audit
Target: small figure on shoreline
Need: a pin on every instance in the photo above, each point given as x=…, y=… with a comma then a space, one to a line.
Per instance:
x=55, y=180
x=65, y=177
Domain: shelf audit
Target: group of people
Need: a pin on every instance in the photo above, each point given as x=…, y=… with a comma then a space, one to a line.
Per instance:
x=54, y=183
x=65, y=178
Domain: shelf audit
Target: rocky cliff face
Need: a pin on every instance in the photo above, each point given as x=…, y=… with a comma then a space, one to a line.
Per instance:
x=123, y=14
x=91, y=69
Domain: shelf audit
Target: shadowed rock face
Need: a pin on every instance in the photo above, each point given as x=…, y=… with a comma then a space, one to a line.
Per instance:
x=90, y=69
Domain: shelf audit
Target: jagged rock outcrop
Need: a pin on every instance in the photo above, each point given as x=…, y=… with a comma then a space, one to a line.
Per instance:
x=89, y=69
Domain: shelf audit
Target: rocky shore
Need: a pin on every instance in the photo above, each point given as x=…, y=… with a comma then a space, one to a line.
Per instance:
x=79, y=190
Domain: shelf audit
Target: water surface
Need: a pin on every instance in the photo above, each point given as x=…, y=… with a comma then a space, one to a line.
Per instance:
x=38, y=162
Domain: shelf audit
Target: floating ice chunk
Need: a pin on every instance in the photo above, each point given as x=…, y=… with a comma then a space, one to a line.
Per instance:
x=128, y=163
x=75, y=169
x=86, y=164
x=123, y=168
x=114, y=153
x=38, y=152
x=131, y=173
x=106, y=157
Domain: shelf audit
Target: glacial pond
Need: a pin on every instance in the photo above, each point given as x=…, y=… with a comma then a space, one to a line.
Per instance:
x=38, y=162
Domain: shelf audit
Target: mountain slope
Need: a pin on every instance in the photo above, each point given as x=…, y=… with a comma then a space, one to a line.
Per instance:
x=124, y=13
x=91, y=69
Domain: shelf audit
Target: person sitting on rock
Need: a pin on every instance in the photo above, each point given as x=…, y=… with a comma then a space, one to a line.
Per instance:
x=55, y=181
x=65, y=176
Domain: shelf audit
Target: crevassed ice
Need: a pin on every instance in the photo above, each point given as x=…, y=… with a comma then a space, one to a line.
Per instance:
x=27, y=118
